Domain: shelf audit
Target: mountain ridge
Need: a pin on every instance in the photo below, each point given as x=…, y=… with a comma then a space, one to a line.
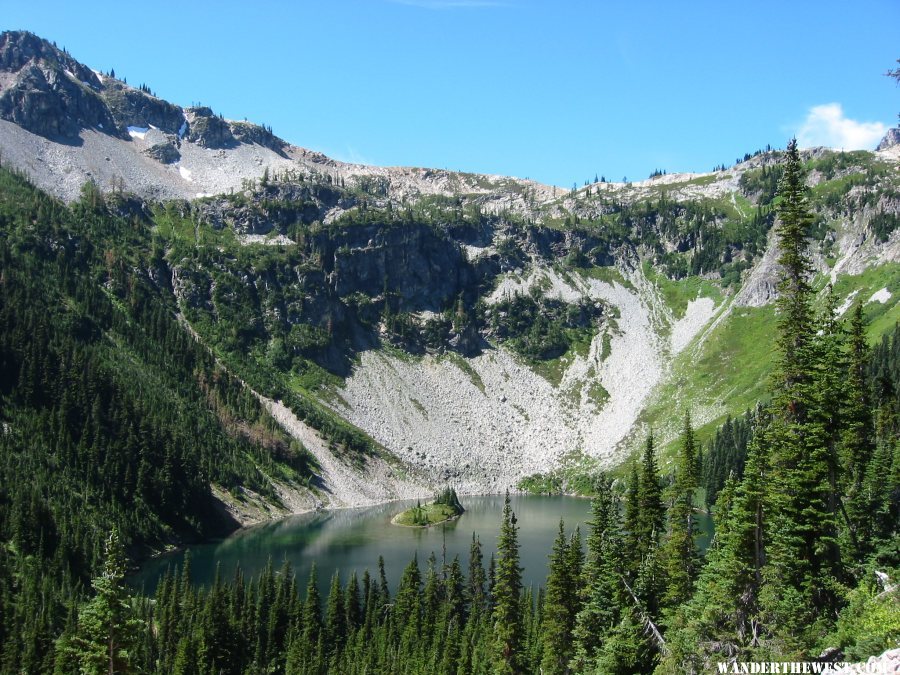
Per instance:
x=526, y=327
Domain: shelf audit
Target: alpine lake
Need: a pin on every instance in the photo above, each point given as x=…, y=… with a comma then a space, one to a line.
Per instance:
x=348, y=540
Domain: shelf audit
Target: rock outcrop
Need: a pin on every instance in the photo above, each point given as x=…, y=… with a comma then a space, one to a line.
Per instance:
x=165, y=153
x=244, y=132
x=890, y=140
x=47, y=92
x=424, y=270
x=18, y=48
x=208, y=130
x=135, y=108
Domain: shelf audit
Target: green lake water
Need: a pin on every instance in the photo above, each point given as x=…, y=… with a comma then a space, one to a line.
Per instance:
x=352, y=539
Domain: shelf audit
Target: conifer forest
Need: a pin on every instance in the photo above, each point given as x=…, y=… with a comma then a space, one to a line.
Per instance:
x=115, y=422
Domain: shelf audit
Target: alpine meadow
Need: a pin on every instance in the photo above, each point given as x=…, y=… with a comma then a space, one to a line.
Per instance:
x=207, y=332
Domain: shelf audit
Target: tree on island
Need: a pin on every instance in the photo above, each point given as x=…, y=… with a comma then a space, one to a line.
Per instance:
x=448, y=497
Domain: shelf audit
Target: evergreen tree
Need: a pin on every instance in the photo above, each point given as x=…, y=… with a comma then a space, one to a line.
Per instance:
x=560, y=608
x=335, y=616
x=601, y=589
x=626, y=651
x=830, y=387
x=721, y=619
x=857, y=443
x=632, y=522
x=311, y=621
x=108, y=630
x=476, y=576
x=508, y=628
x=215, y=626
x=681, y=559
x=454, y=605
x=352, y=603
x=651, y=512
x=802, y=558
x=726, y=454
x=431, y=601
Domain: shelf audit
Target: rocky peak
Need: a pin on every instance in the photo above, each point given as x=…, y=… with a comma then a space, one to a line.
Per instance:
x=19, y=48
x=891, y=139
x=44, y=82
x=46, y=91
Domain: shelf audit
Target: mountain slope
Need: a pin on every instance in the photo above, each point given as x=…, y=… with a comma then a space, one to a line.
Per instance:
x=445, y=326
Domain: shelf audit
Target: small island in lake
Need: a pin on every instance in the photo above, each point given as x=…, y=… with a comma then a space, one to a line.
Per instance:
x=445, y=507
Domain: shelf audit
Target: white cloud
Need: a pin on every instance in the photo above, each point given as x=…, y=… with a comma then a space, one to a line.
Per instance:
x=826, y=125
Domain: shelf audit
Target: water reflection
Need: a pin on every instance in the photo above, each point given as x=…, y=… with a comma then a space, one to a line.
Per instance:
x=352, y=540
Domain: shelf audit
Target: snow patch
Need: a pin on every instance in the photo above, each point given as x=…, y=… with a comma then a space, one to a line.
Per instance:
x=185, y=173
x=138, y=132
x=881, y=296
x=182, y=129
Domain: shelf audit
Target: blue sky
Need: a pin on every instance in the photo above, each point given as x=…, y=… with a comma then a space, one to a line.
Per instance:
x=556, y=91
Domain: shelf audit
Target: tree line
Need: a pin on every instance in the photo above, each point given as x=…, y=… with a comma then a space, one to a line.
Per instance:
x=806, y=511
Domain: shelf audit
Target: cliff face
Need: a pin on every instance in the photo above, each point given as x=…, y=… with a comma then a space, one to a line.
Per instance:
x=134, y=108
x=425, y=271
x=47, y=92
x=478, y=327
x=891, y=140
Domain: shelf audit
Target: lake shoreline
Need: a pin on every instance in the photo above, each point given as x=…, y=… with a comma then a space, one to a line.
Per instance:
x=170, y=550
x=349, y=539
x=440, y=522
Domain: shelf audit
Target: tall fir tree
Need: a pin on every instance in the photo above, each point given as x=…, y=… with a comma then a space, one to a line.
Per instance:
x=477, y=579
x=857, y=442
x=651, y=511
x=560, y=604
x=632, y=523
x=508, y=628
x=601, y=587
x=335, y=616
x=109, y=629
x=802, y=558
x=680, y=557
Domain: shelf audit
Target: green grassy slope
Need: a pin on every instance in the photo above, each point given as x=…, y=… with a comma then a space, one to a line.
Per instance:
x=726, y=369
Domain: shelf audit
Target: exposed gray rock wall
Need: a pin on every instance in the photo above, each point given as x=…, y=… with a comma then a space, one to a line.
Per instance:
x=208, y=131
x=135, y=108
x=49, y=102
x=891, y=138
x=424, y=270
x=18, y=48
